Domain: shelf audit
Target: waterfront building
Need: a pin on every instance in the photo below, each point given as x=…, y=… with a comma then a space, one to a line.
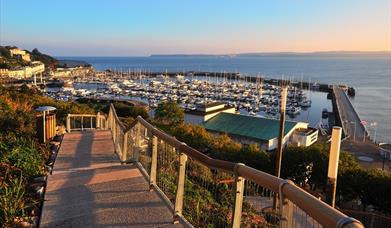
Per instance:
x=204, y=112
x=22, y=54
x=67, y=72
x=263, y=131
x=36, y=67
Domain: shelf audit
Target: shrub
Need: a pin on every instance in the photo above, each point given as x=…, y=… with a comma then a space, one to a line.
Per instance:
x=169, y=113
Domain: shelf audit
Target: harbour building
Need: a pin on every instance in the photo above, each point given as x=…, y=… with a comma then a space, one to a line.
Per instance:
x=262, y=131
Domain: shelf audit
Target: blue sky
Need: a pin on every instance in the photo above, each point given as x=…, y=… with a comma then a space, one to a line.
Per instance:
x=132, y=28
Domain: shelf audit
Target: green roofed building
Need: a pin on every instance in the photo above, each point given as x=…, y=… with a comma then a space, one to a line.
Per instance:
x=264, y=131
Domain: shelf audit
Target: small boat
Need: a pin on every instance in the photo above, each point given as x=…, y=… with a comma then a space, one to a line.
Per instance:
x=305, y=103
x=293, y=110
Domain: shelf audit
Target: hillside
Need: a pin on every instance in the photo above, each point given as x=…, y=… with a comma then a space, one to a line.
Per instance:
x=9, y=62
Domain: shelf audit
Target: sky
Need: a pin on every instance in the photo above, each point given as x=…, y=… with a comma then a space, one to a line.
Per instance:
x=142, y=28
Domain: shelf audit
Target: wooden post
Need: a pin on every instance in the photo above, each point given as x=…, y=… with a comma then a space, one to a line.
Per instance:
x=114, y=130
x=152, y=175
x=69, y=123
x=125, y=148
x=97, y=121
x=180, y=187
x=137, y=143
x=237, y=210
x=333, y=165
x=44, y=126
x=286, y=208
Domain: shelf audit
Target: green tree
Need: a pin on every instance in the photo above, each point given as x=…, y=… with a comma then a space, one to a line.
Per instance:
x=169, y=113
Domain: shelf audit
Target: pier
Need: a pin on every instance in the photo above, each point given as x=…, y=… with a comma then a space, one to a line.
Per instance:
x=347, y=116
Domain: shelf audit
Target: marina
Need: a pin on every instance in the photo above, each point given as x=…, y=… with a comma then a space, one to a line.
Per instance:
x=256, y=97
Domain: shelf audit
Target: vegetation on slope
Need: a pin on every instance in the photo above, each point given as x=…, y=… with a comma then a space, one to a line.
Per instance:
x=307, y=167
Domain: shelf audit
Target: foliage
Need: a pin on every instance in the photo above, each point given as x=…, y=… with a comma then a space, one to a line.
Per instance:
x=169, y=113
x=23, y=155
x=49, y=61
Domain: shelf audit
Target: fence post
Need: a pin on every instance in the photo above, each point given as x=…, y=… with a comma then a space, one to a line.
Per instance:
x=152, y=175
x=180, y=187
x=237, y=210
x=69, y=123
x=82, y=123
x=114, y=130
x=286, y=207
x=97, y=120
x=137, y=143
x=239, y=190
x=124, y=148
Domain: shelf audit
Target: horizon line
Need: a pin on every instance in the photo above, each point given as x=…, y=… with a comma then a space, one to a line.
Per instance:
x=240, y=53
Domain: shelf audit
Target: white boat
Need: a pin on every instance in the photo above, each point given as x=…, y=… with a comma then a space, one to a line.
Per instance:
x=305, y=103
x=293, y=110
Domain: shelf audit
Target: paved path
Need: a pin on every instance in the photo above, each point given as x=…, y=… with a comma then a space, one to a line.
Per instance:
x=90, y=188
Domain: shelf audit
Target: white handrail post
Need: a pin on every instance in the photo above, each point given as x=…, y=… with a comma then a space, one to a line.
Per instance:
x=69, y=123
x=125, y=148
x=152, y=175
x=180, y=187
x=237, y=210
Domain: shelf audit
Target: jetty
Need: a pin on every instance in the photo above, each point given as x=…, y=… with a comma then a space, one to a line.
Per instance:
x=347, y=116
x=112, y=175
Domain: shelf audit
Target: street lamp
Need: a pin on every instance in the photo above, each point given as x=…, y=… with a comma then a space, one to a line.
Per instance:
x=284, y=92
x=44, y=109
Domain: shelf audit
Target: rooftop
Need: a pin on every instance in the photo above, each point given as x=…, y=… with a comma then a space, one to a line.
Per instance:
x=247, y=126
x=203, y=113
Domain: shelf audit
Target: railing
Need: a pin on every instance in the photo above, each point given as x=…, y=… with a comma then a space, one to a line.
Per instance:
x=370, y=219
x=209, y=192
x=85, y=121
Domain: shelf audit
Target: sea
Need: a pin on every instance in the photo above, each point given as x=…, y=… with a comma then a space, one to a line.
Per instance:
x=369, y=75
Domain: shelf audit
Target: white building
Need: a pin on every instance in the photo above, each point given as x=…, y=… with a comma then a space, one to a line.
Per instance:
x=35, y=68
x=263, y=131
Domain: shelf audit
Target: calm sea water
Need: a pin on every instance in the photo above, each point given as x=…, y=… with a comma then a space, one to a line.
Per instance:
x=370, y=76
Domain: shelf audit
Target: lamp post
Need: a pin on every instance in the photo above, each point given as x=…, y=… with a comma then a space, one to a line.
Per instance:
x=354, y=134
x=280, y=138
x=333, y=165
x=44, y=109
x=374, y=134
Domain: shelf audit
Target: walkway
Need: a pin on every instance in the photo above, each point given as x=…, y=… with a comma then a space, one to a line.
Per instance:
x=90, y=188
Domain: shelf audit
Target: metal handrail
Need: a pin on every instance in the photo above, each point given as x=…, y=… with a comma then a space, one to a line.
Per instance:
x=320, y=211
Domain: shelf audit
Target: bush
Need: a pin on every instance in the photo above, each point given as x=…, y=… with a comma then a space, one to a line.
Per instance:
x=169, y=113
x=24, y=156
